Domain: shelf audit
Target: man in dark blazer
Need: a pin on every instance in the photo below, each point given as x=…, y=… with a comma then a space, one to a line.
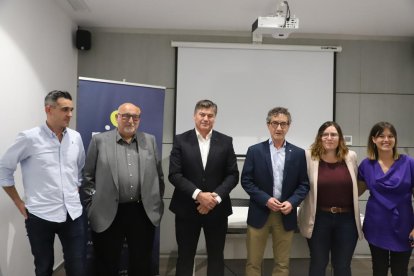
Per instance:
x=203, y=169
x=275, y=177
x=124, y=186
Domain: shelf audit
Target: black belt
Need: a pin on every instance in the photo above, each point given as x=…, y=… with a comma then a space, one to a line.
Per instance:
x=139, y=201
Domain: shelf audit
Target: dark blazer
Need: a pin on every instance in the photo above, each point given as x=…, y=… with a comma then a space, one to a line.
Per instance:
x=257, y=181
x=101, y=186
x=187, y=174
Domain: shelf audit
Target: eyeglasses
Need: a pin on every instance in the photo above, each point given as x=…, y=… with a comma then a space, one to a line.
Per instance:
x=282, y=125
x=127, y=116
x=333, y=135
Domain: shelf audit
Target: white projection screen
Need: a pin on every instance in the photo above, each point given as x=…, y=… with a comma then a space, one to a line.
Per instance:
x=246, y=81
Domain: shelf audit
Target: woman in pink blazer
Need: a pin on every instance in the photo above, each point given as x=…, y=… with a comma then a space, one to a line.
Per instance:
x=329, y=215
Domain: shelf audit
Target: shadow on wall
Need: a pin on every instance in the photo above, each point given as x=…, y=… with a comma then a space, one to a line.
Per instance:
x=12, y=241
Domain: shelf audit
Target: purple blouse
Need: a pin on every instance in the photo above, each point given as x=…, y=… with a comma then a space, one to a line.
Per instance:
x=389, y=216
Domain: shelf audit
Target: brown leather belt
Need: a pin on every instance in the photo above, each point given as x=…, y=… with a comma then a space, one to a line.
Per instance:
x=336, y=210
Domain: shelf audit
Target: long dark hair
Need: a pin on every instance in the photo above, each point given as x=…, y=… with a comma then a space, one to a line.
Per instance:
x=376, y=131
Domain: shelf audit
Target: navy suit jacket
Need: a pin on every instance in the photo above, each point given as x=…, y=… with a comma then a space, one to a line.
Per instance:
x=257, y=181
x=187, y=174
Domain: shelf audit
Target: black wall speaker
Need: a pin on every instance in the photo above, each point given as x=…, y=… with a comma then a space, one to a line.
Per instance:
x=83, y=40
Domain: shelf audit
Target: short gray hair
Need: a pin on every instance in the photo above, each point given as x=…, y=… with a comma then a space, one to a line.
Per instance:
x=276, y=111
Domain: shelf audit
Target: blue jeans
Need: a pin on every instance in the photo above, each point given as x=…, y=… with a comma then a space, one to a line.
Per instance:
x=72, y=235
x=334, y=233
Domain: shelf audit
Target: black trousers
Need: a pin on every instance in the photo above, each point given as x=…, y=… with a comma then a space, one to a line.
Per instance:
x=187, y=234
x=132, y=224
x=382, y=259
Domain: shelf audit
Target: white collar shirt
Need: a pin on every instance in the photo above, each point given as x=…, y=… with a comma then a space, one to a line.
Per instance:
x=51, y=171
x=204, y=144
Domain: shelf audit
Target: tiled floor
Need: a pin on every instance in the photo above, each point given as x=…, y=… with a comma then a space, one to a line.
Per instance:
x=298, y=267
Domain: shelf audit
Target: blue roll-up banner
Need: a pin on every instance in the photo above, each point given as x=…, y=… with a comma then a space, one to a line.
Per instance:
x=97, y=103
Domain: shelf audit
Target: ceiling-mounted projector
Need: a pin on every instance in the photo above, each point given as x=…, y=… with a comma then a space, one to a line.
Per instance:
x=280, y=25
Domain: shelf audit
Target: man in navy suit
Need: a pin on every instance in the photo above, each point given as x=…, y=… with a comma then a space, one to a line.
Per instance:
x=275, y=177
x=203, y=169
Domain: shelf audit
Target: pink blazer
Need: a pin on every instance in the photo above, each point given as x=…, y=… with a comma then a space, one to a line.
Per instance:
x=307, y=211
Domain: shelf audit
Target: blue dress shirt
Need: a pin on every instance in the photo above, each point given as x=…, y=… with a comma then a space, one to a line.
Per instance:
x=278, y=165
x=51, y=170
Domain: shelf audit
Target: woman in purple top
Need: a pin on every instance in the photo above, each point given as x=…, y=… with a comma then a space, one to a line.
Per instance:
x=388, y=224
